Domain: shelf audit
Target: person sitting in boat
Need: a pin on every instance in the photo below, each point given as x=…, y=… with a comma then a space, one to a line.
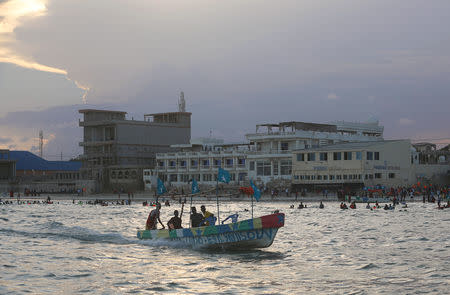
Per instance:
x=353, y=205
x=321, y=206
x=167, y=203
x=292, y=206
x=206, y=215
x=344, y=206
x=196, y=218
x=368, y=206
x=386, y=207
x=152, y=217
x=377, y=205
x=175, y=221
x=301, y=206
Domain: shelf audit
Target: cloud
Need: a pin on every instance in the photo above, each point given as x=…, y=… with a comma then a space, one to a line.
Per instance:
x=4, y=140
x=405, y=121
x=332, y=96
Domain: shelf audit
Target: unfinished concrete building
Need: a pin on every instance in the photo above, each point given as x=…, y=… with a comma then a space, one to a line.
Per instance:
x=116, y=149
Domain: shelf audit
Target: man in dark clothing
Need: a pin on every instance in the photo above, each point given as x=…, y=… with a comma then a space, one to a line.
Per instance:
x=175, y=221
x=196, y=218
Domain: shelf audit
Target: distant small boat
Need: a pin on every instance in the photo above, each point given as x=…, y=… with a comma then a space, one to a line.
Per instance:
x=247, y=234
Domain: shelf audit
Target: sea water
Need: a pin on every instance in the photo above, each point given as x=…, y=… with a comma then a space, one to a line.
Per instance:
x=66, y=248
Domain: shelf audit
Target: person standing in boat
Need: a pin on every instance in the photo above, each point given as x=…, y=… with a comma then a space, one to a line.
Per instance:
x=152, y=217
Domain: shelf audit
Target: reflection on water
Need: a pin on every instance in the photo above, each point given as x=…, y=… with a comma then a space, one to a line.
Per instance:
x=66, y=248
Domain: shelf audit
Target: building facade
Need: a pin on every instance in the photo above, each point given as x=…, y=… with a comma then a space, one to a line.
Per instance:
x=355, y=165
x=265, y=158
x=116, y=150
x=32, y=173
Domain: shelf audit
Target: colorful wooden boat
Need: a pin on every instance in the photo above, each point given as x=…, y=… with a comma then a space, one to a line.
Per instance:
x=247, y=234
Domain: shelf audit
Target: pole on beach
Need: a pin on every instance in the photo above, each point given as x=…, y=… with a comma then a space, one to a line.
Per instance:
x=251, y=197
x=190, y=210
x=217, y=199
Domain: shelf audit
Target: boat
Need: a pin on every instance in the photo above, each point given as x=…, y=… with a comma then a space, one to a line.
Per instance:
x=258, y=232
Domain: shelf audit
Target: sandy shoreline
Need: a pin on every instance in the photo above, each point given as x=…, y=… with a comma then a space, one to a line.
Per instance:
x=140, y=197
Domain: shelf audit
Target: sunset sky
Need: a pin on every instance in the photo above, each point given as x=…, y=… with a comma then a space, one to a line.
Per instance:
x=240, y=63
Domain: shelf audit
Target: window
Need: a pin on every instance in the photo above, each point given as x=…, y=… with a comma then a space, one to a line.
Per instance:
x=319, y=177
x=172, y=163
x=358, y=156
x=241, y=162
x=207, y=177
x=217, y=163
x=359, y=176
x=185, y=177
x=331, y=177
x=366, y=176
x=173, y=177
x=325, y=177
x=229, y=162
x=347, y=155
x=345, y=176
x=252, y=166
x=370, y=176
x=323, y=156
x=205, y=163
x=300, y=157
x=183, y=163
x=369, y=155
x=263, y=168
x=391, y=175
x=286, y=167
x=275, y=167
x=339, y=177
x=194, y=163
x=161, y=164
x=232, y=176
x=311, y=156
x=284, y=146
x=377, y=156
x=377, y=175
x=337, y=156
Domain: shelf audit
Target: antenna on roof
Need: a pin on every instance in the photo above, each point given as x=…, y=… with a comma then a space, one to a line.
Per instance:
x=41, y=143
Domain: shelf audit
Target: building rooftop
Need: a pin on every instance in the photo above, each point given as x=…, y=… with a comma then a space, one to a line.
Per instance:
x=351, y=145
x=29, y=161
x=99, y=111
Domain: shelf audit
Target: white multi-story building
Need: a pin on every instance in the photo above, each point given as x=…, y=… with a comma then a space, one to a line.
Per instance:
x=358, y=164
x=266, y=157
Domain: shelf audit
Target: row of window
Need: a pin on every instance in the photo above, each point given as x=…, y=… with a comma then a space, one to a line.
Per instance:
x=204, y=163
x=337, y=156
x=199, y=177
x=343, y=176
x=267, y=168
x=119, y=174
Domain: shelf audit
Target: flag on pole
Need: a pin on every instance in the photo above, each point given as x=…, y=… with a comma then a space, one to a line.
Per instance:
x=256, y=191
x=223, y=176
x=195, y=188
x=161, y=189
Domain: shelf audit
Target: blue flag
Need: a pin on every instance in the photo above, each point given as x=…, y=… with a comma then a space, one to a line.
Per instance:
x=256, y=191
x=223, y=176
x=195, y=188
x=161, y=189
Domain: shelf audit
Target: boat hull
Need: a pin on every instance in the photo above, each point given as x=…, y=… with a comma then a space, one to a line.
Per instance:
x=252, y=233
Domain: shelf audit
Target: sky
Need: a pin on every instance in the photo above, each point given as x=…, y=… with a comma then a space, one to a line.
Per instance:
x=239, y=63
